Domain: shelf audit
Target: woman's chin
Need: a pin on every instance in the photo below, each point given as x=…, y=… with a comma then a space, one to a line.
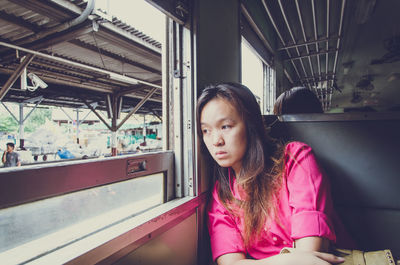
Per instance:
x=224, y=164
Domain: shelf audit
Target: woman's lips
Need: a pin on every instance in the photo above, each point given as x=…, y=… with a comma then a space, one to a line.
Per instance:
x=221, y=154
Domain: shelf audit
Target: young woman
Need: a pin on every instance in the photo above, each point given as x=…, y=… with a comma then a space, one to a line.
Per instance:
x=265, y=197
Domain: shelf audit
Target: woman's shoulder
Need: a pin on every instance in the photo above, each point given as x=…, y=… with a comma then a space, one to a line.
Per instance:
x=296, y=152
x=299, y=155
x=296, y=147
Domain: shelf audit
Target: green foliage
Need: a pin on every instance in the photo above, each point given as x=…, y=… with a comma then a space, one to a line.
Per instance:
x=8, y=124
x=35, y=120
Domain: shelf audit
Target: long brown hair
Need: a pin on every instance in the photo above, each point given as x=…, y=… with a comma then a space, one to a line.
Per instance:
x=262, y=164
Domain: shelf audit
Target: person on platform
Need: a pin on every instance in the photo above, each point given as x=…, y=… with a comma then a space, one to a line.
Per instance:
x=10, y=157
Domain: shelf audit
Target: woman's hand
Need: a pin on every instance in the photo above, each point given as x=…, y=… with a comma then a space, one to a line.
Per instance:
x=301, y=257
x=295, y=257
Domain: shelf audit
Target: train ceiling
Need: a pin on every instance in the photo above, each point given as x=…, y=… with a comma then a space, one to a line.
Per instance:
x=84, y=60
x=346, y=50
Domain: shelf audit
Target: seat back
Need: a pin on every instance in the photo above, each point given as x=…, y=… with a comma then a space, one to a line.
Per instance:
x=360, y=154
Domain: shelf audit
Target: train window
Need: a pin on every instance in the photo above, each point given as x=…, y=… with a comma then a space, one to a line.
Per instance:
x=101, y=87
x=259, y=77
x=258, y=71
x=252, y=72
x=64, y=219
x=61, y=204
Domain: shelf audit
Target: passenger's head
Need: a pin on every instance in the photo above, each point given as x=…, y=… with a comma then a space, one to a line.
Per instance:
x=231, y=125
x=297, y=100
x=10, y=146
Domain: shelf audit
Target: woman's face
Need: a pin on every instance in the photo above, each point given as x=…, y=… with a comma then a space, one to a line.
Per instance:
x=224, y=133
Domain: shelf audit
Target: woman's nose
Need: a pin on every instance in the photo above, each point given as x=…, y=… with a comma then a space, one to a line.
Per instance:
x=218, y=139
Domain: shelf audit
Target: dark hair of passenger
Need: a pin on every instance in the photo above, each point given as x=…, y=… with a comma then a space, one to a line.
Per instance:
x=297, y=100
x=11, y=145
x=261, y=165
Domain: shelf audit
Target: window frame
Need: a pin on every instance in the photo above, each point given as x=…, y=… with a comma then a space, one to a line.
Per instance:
x=54, y=179
x=178, y=165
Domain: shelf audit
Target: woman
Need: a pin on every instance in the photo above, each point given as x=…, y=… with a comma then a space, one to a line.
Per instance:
x=265, y=197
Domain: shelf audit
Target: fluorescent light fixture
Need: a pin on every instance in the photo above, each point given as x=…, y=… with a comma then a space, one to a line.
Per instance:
x=123, y=78
x=33, y=100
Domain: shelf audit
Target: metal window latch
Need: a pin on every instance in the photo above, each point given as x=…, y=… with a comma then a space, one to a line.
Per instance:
x=177, y=74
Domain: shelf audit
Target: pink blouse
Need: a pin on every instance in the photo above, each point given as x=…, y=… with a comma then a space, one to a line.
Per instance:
x=305, y=209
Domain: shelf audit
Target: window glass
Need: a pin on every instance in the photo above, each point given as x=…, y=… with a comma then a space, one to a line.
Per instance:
x=253, y=74
x=55, y=222
x=128, y=42
x=55, y=126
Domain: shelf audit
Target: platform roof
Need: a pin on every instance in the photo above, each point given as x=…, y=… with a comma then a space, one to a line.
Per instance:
x=100, y=56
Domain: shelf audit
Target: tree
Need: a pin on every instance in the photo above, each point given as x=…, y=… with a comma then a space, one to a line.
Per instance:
x=35, y=120
x=8, y=124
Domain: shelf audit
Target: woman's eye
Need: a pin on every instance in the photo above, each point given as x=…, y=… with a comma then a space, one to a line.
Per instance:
x=226, y=127
x=204, y=131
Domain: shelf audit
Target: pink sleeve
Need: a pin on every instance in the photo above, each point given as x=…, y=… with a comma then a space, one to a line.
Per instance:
x=224, y=234
x=309, y=194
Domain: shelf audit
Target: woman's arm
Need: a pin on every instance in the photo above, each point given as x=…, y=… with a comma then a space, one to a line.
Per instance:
x=309, y=251
x=297, y=257
x=313, y=243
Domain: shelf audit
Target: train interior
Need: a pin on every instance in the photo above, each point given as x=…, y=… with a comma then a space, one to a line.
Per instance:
x=149, y=208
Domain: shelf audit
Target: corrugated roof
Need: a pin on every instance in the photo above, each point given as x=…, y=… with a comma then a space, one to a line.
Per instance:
x=132, y=30
x=116, y=47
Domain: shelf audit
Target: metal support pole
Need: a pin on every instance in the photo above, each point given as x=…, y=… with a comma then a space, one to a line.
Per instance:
x=114, y=109
x=113, y=139
x=144, y=129
x=77, y=126
x=21, y=125
x=113, y=143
